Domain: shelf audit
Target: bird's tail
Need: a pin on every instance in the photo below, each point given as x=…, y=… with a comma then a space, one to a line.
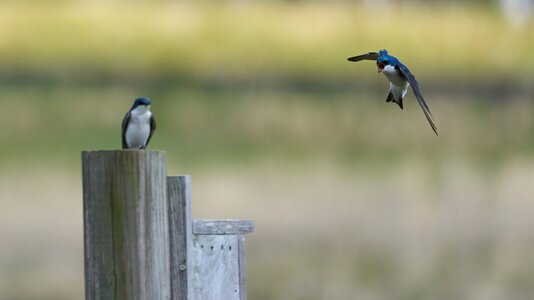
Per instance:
x=391, y=98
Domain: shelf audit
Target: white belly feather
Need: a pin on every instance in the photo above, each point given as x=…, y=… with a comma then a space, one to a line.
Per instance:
x=398, y=85
x=138, y=129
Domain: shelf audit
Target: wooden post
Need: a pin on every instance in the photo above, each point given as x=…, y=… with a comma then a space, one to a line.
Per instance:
x=207, y=256
x=126, y=228
x=218, y=254
x=180, y=223
x=140, y=240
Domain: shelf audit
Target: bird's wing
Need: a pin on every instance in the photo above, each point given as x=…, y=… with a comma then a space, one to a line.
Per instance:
x=152, y=128
x=415, y=87
x=368, y=56
x=124, y=125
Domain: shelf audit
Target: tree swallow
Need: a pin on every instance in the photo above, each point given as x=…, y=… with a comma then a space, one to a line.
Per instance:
x=399, y=78
x=138, y=125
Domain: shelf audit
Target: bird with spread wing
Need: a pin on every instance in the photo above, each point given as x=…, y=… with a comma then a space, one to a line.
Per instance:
x=399, y=77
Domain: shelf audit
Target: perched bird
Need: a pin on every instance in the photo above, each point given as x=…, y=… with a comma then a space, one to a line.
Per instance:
x=138, y=125
x=399, y=79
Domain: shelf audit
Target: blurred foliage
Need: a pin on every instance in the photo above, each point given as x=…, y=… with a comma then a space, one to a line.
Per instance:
x=270, y=41
x=240, y=126
x=239, y=81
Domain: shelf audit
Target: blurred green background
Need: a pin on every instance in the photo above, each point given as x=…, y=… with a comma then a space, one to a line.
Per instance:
x=353, y=198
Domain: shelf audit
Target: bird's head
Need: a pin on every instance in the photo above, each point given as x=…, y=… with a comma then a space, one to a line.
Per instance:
x=141, y=102
x=384, y=59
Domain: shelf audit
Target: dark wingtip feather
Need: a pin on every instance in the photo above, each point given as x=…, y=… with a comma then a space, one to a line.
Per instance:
x=367, y=56
x=431, y=122
x=415, y=88
x=435, y=130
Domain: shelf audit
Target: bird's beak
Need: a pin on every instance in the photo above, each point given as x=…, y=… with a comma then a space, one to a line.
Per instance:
x=380, y=67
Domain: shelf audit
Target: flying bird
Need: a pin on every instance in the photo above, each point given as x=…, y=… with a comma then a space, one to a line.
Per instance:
x=138, y=125
x=399, y=77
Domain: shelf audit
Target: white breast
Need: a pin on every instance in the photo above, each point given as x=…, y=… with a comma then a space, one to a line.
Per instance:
x=138, y=129
x=394, y=76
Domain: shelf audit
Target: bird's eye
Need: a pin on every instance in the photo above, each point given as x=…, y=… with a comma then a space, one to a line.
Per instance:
x=385, y=62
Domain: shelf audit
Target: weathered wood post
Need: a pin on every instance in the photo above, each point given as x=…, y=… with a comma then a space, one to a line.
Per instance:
x=126, y=229
x=180, y=223
x=140, y=240
x=207, y=256
x=218, y=251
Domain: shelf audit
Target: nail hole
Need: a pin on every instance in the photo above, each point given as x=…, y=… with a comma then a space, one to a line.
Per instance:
x=222, y=247
x=201, y=246
x=212, y=248
x=230, y=248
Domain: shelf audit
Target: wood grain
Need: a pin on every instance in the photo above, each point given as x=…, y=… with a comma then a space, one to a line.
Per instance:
x=180, y=225
x=223, y=226
x=215, y=267
x=126, y=229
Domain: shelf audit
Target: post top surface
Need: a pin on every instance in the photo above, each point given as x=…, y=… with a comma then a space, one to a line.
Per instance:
x=127, y=153
x=122, y=151
x=222, y=227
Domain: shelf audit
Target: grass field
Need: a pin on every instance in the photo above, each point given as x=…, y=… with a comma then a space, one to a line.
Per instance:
x=408, y=231
x=207, y=126
x=71, y=70
x=353, y=198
